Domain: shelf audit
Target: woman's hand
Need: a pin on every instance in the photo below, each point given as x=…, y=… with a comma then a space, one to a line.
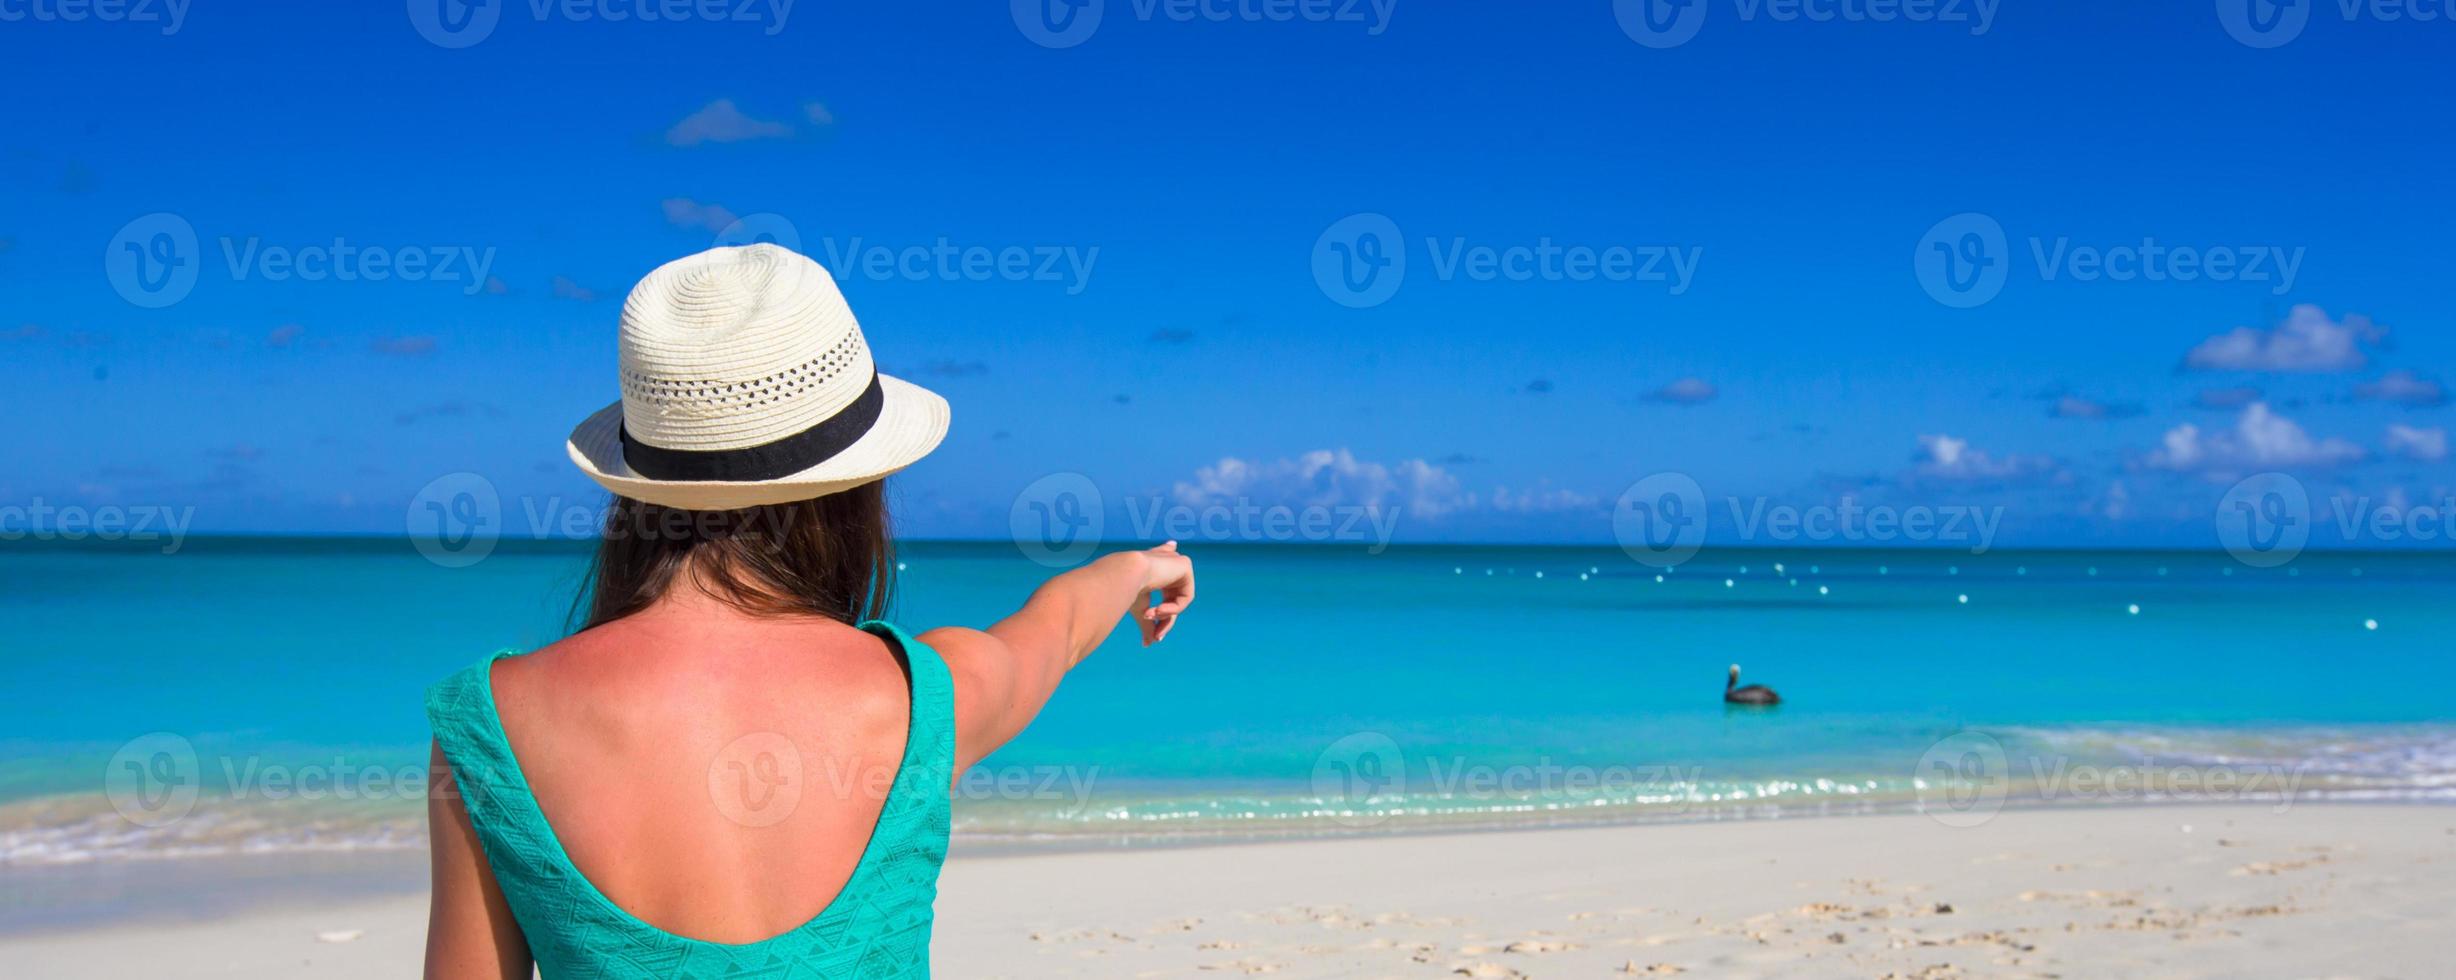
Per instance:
x=1172, y=576
x=1004, y=674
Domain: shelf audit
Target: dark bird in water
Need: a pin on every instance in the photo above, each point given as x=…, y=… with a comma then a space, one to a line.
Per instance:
x=1733, y=693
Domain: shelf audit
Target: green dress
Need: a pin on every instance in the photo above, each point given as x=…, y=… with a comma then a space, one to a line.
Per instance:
x=878, y=926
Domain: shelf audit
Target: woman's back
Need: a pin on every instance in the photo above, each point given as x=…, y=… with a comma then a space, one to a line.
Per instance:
x=729, y=737
x=694, y=788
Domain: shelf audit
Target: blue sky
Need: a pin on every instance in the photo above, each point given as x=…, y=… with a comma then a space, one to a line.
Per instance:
x=1766, y=187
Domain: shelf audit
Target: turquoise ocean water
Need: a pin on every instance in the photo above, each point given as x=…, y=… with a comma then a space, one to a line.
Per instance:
x=262, y=696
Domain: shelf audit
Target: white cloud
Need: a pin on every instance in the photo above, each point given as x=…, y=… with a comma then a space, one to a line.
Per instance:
x=2307, y=341
x=2428, y=445
x=1945, y=459
x=2261, y=439
x=1686, y=391
x=2115, y=504
x=721, y=122
x=1336, y=478
x=687, y=213
x=1326, y=478
x=2403, y=388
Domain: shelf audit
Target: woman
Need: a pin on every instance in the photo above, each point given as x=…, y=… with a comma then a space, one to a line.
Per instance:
x=736, y=768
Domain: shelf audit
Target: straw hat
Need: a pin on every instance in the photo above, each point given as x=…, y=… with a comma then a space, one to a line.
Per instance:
x=745, y=381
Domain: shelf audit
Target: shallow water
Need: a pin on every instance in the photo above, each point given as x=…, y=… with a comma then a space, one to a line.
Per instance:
x=262, y=696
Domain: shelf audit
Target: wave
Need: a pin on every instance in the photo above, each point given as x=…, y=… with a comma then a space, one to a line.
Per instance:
x=1962, y=778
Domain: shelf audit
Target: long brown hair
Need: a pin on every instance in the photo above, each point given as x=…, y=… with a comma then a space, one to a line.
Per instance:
x=833, y=556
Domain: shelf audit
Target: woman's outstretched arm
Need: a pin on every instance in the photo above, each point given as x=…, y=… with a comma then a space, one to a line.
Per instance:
x=1005, y=673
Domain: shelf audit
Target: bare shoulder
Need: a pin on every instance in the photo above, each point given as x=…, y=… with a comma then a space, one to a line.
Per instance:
x=652, y=675
x=517, y=681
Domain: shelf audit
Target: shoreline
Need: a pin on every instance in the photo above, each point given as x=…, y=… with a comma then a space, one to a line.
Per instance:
x=2190, y=889
x=2108, y=766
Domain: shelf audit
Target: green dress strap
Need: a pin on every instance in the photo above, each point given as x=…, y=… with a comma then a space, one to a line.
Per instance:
x=878, y=925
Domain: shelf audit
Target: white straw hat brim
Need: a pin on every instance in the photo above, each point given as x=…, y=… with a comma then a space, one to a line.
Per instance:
x=911, y=421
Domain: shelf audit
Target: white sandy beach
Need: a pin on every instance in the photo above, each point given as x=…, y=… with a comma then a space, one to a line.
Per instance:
x=2185, y=891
